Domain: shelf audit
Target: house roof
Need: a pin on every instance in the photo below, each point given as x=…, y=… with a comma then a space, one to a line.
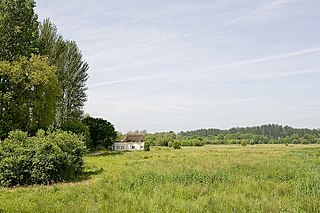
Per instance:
x=133, y=138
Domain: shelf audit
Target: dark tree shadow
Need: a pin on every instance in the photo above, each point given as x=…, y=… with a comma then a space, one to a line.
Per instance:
x=104, y=153
x=87, y=175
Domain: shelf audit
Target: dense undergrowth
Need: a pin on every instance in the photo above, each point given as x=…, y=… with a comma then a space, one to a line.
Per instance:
x=43, y=159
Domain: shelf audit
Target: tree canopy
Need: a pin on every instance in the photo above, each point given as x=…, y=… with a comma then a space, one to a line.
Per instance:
x=101, y=131
x=43, y=76
x=18, y=29
x=29, y=93
x=71, y=71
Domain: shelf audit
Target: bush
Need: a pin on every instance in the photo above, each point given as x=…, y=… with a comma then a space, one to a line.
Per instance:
x=191, y=142
x=78, y=128
x=42, y=159
x=146, y=147
x=175, y=144
x=163, y=141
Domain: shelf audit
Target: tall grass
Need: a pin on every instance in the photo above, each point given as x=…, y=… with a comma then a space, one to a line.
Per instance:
x=232, y=178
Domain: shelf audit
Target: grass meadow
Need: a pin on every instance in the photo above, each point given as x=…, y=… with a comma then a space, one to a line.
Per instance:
x=230, y=178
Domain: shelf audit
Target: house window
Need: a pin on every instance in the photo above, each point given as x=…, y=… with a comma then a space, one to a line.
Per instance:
x=141, y=147
x=118, y=147
x=122, y=147
x=133, y=147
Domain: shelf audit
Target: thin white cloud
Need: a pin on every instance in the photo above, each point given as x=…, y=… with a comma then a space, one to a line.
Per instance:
x=124, y=49
x=272, y=58
x=288, y=74
x=206, y=72
x=260, y=10
x=272, y=5
x=126, y=80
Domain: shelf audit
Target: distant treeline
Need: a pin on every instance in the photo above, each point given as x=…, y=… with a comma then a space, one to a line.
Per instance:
x=265, y=134
x=271, y=131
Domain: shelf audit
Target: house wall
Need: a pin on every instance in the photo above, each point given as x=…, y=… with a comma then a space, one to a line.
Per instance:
x=129, y=146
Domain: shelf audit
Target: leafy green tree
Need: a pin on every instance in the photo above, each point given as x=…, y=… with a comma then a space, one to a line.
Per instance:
x=71, y=71
x=175, y=144
x=295, y=138
x=150, y=139
x=101, y=131
x=304, y=141
x=79, y=128
x=18, y=29
x=120, y=136
x=310, y=138
x=146, y=146
x=161, y=141
x=29, y=93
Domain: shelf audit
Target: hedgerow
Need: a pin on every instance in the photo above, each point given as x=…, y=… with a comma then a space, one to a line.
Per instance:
x=43, y=159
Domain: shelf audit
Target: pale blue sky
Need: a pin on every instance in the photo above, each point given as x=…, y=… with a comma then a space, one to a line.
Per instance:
x=189, y=64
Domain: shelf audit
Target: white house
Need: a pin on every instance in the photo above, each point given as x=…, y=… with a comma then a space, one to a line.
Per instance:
x=130, y=143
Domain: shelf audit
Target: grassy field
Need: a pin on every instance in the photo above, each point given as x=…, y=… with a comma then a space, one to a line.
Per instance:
x=231, y=178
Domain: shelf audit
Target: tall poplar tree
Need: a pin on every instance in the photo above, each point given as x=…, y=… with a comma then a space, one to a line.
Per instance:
x=18, y=29
x=30, y=96
x=71, y=71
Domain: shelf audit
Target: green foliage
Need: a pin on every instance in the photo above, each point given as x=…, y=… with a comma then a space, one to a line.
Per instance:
x=71, y=71
x=36, y=91
x=304, y=141
x=244, y=136
x=120, y=136
x=269, y=131
x=244, y=143
x=191, y=142
x=150, y=139
x=101, y=131
x=42, y=159
x=18, y=29
x=79, y=128
x=29, y=93
x=310, y=138
x=163, y=141
x=146, y=147
x=175, y=144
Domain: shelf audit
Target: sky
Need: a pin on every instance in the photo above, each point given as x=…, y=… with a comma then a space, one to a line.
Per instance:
x=189, y=64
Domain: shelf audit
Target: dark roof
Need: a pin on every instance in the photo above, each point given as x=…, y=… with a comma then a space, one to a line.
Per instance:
x=134, y=138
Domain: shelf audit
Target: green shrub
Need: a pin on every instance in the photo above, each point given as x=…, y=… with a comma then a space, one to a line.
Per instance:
x=163, y=141
x=176, y=144
x=42, y=159
x=78, y=128
x=146, y=147
x=191, y=142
